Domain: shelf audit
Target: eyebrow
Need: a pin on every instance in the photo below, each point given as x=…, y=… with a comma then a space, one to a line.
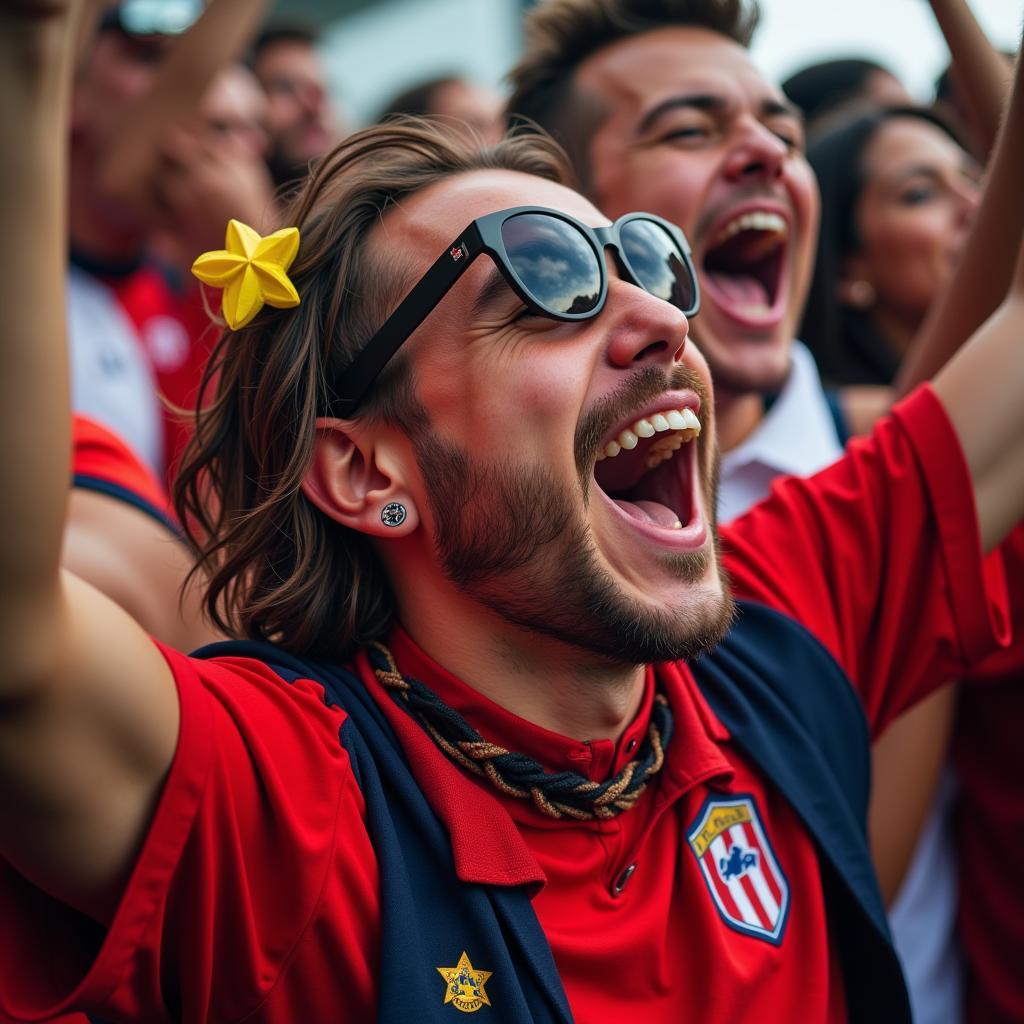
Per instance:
x=925, y=170
x=713, y=104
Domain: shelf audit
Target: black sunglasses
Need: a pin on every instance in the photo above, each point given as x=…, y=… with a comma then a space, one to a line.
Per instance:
x=552, y=261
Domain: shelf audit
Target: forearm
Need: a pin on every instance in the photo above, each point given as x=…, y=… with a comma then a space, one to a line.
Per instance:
x=978, y=69
x=35, y=65
x=981, y=389
x=984, y=271
x=88, y=709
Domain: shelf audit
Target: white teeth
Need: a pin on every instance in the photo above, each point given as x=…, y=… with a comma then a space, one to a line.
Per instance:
x=675, y=427
x=754, y=220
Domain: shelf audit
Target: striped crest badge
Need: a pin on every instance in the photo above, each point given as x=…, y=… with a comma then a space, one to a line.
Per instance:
x=739, y=867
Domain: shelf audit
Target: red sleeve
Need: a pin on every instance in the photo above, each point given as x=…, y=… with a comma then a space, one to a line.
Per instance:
x=879, y=557
x=102, y=462
x=243, y=854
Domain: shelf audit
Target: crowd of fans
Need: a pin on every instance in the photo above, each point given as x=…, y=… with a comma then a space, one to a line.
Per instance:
x=184, y=117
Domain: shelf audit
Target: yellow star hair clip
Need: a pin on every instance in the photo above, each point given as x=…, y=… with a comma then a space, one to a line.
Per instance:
x=251, y=270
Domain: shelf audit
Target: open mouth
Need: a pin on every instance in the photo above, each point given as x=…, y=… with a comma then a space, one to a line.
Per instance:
x=647, y=469
x=744, y=266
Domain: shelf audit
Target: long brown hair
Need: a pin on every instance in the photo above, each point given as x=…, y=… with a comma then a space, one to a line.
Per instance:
x=276, y=567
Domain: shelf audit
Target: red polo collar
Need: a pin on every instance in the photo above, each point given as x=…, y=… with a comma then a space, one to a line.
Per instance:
x=497, y=854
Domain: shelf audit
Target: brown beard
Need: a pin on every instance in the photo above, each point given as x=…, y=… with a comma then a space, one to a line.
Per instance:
x=513, y=538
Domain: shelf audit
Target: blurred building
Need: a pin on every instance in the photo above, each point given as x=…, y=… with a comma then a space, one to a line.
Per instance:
x=373, y=50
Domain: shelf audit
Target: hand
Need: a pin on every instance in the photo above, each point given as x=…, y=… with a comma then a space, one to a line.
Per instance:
x=201, y=184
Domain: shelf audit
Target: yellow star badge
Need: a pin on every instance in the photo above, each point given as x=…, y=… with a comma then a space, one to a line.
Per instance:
x=251, y=270
x=464, y=986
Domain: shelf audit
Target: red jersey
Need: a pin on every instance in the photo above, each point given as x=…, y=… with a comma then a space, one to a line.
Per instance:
x=178, y=335
x=256, y=892
x=102, y=462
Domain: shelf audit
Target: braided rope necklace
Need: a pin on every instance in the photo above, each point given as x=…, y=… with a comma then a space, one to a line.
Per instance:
x=557, y=794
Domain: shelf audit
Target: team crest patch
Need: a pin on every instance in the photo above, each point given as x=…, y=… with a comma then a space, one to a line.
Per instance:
x=739, y=867
x=464, y=985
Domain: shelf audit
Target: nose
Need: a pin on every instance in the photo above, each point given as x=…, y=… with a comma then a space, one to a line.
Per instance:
x=643, y=328
x=969, y=196
x=758, y=155
x=311, y=95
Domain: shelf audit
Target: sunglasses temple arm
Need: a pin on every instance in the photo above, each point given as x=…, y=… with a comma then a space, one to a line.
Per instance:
x=356, y=378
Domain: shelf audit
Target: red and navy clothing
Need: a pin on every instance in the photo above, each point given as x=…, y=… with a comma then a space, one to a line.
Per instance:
x=174, y=333
x=102, y=462
x=177, y=334
x=257, y=891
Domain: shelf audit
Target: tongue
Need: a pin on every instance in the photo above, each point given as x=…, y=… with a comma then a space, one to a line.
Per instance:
x=739, y=288
x=649, y=512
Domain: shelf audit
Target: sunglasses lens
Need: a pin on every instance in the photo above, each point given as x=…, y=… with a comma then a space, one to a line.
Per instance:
x=657, y=263
x=554, y=262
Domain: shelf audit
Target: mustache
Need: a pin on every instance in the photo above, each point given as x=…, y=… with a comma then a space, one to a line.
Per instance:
x=644, y=386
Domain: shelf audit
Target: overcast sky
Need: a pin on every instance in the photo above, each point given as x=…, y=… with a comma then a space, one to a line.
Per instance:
x=901, y=34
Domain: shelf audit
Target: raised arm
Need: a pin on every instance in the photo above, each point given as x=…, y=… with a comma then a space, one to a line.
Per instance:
x=88, y=710
x=983, y=274
x=978, y=69
x=982, y=387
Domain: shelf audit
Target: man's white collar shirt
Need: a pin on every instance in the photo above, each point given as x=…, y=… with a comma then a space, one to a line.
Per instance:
x=797, y=436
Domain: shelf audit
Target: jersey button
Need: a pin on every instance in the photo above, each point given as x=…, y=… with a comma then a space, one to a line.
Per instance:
x=623, y=880
x=631, y=746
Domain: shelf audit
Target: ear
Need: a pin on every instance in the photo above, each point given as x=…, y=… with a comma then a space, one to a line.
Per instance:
x=353, y=477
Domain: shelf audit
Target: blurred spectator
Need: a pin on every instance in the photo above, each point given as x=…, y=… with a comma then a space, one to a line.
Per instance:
x=452, y=97
x=301, y=121
x=821, y=88
x=111, y=378
x=235, y=111
x=150, y=177
x=898, y=194
x=213, y=169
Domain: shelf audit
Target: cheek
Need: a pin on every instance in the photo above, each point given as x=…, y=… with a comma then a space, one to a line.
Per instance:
x=280, y=112
x=803, y=194
x=495, y=397
x=908, y=245
x=659, y=182
x=124, y=82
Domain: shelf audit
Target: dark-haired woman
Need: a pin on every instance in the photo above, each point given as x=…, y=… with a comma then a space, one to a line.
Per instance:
x=898, y=194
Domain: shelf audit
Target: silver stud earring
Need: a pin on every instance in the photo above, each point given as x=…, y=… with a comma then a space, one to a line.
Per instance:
x=393, y=514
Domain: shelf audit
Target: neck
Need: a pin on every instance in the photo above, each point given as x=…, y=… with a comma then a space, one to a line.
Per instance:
x=547, y=682
x=97, y=226
x=895, y=329
x=737, y=415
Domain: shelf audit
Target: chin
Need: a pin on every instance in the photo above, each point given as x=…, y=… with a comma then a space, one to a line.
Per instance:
x=740, y=364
